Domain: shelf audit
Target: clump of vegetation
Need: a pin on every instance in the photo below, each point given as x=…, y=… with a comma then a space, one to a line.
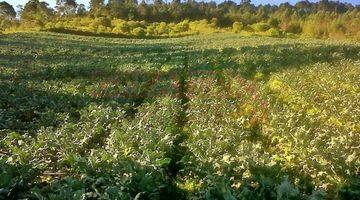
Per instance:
x=273, y=32
x=260, y=27
x=237, y=27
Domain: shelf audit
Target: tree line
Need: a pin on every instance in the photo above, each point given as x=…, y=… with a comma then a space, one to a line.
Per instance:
x=321, y=19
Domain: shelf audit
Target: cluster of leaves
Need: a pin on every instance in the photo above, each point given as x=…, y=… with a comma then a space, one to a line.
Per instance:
x=242, y=118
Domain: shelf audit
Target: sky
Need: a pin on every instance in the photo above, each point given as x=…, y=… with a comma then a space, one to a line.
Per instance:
x=256, y=2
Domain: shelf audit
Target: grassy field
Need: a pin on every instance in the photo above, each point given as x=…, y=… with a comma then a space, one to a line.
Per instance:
x=203, y=117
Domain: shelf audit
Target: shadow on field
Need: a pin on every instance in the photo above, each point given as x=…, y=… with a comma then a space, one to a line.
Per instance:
x=23, y=181
x=125, y=73
x=25, y=107
x=16, y=179
x=268, y=59
x=78, y=58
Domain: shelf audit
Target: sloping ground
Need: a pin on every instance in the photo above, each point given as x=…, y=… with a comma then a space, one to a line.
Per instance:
x=215, y=117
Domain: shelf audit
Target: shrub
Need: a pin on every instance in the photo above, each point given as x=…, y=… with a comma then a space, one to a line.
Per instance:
x=248, y=29
x=99, y=23
x=162, y=29
x=273, y=32
x=121, y=27
x=202, y=26
x=181, y=27
x=260, y=27
x=134, y=24
x=273, y=22
x=140, y=32
x=237, y=27
x=292, y=27
x=103, y=29
x=151, y=29
x=337, y=30
x=315, y=29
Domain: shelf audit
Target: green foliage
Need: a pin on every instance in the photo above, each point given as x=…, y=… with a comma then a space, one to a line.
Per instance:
x=181, y=27
x=260, y=27
x=273, y=32
x=237, y=27
x=162, y=29
x=7, y=11
x=118, y=18
x=219, y=116
x=292, y=27
x=100, y=23
x=140, y=32
x=15, y=179
x=287, y=191
x=274, y=22
x=36, y=13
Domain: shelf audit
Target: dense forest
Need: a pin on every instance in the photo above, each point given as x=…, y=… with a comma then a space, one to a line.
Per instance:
x=324, y=19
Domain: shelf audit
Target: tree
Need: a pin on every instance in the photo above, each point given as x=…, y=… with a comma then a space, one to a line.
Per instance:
x=7, y=11
x=262, y=13
x=245, y=1
x=37, y=12
x=160, y=11
x=303, y=7
x=66, y=7
x=81, y=10
x=112, y=2
x=176, y=10
x=131, y=9
x=96, y=7
x=191, y=10
x=96, y=4
x=144, y=11
x=116, y=9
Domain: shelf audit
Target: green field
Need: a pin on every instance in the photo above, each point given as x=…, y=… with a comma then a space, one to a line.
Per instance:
x=217, y=116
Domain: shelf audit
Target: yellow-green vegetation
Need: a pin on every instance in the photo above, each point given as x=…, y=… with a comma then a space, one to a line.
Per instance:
x=220, y=116
x=119, y=27
x=118, y=18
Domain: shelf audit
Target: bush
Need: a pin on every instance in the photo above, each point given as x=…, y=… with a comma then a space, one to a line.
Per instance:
x=237, y=27
x=248, y=29
x=260, y=27
x=315, y=29
x=120, y=26
x=337, y=30
x=202, y=26
x=103, y=29
x=151, y=29
x=273, y=32
x=162, y=29
x=293, y=27
x=181, y=27
x=273, y=22
x=140, y=32
x=100, y=21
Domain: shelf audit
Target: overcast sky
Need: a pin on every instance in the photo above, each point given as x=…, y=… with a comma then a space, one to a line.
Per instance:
x=256, y=2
